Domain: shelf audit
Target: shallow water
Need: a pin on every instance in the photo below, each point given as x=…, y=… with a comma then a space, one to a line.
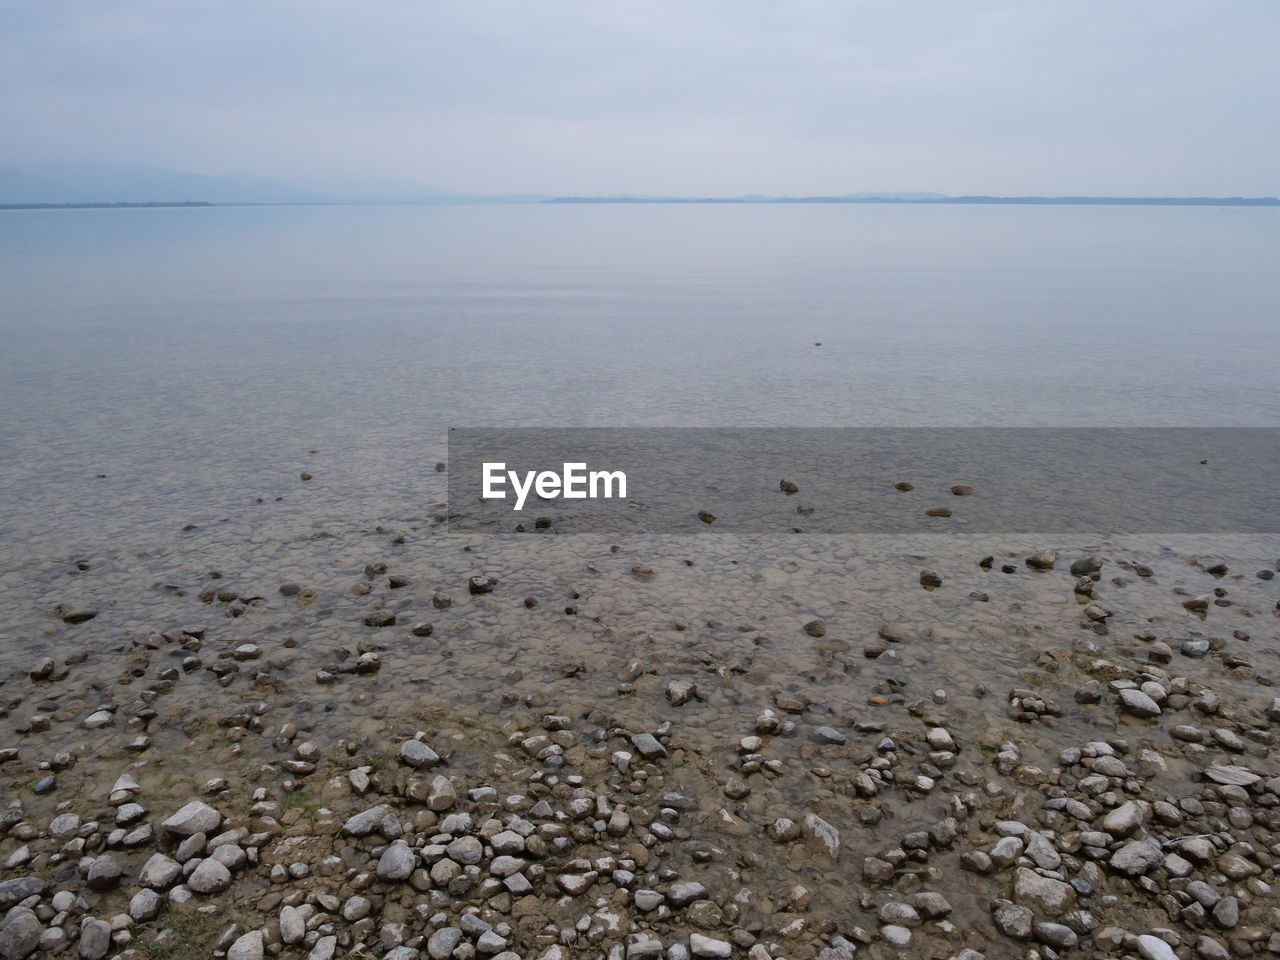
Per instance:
x=197, y=357
x=203, y=359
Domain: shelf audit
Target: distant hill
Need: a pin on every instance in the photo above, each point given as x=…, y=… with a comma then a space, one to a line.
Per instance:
x=106, y=185
x=938, y=198
x=99, y=183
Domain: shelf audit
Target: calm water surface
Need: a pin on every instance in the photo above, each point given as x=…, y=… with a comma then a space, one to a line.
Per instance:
x=198, y=356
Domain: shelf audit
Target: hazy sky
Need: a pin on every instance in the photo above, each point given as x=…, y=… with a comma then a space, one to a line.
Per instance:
x=689, y=97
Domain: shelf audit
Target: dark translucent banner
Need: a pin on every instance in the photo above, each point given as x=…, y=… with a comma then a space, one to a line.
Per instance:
x=864, y=480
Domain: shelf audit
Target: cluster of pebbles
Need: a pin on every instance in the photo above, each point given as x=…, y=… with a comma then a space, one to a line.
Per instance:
x=200, y=805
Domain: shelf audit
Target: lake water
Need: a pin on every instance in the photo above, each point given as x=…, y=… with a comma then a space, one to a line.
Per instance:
x=202, y=360
x=197, y=356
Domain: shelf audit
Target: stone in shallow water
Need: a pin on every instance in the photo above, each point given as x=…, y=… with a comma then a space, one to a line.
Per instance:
x=1124, y=819
x=643, y=946
x=18, y=889
x=829, y=735
x=248, y=947
x=1044, y=895
x=210, y=876
x=896, y=935
x=104, y=874
x=646, y=900
x=465, y=850
x=647, y=746
x=1044, y=560
x=99, y=719
x=20, y=934
x=826, y=836
x=397, y=862
x=95, y=939
x=1055, y=935
x=64, y=824
x=1139, y=704
x=417, y=754
x=145, y=905
x=442, y=943
x=1014, y=921
x=1153, y=948
x=701, y=946
x=931, y=905
x=575, y=884
x=159, y=872
x=939, y=738
x=680, y=692
x=1136, y=856
x=1231, y=774
x=683, y=894
x=365, y=822
x=195, y=817
x=902, y=914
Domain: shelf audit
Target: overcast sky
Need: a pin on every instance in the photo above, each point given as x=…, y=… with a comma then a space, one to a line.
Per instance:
x=691, y=97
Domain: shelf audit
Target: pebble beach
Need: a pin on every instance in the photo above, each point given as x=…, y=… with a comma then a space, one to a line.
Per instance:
x=412, y=744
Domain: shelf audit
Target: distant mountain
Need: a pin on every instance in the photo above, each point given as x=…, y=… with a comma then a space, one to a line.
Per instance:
x=893, y=196
x=106, y=184
x=100, y=183
x=67, y=183
x=943, y=199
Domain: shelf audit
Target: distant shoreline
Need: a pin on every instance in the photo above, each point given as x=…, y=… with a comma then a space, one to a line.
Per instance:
x=102, y=206
x=502, y=201
x=1048, y=201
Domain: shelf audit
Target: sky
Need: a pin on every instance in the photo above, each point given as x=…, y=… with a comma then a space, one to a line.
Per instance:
x=691, y=97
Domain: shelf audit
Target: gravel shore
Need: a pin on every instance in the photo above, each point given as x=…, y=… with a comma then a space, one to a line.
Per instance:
x=1032, y=753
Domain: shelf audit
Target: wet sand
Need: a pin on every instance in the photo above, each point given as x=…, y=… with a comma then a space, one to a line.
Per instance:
x=781, y=746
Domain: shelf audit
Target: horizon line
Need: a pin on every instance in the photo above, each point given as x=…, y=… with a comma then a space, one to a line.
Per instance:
x=743, y=199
